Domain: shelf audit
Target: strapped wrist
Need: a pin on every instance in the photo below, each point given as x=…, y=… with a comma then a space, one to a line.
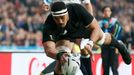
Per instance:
x=91, y=43
x=85, y=42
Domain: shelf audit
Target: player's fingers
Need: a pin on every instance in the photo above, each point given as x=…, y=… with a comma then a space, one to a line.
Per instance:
x=93, y=58
x=88, y=47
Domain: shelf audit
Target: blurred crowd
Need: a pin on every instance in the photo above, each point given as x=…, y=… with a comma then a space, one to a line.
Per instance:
x=21, y=20
x=124, y=11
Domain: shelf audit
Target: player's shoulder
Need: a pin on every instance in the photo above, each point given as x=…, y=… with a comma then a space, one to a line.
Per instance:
x=74, y=6
x=49, y=23
x=49, y=19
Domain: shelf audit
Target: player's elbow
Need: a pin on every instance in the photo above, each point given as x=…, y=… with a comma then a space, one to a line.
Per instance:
x=47, y=52
x=95, y=28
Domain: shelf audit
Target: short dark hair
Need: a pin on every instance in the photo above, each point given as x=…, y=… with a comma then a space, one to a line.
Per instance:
x=107, y=7
x=57, y=6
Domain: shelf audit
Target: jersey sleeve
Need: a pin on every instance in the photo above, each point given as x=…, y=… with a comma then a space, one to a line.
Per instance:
x=85, y=17
x=46, y=35
x=46, y=30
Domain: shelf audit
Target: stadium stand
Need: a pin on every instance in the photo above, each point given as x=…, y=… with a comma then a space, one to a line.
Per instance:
x=21, y=20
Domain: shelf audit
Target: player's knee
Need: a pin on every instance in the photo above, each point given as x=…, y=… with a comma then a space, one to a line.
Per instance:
x=108, y=38
x=104, y=39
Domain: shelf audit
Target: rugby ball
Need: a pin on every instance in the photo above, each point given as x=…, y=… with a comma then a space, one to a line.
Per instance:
x=71, y=67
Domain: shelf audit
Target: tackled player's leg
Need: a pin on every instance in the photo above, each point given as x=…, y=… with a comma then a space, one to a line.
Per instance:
x=109, y=40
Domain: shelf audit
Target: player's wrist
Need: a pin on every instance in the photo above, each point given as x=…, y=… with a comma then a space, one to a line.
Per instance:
x=91, y=43
x=85, y=42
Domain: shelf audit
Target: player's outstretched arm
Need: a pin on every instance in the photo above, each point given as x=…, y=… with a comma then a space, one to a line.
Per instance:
x=50, y=49
x=96, y=32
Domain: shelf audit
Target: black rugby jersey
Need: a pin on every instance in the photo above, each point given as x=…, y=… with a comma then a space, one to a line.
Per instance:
x=79, y=18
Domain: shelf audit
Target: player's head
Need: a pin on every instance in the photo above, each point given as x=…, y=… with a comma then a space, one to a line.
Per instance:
x=60, y=13
x=46, y=5
x=107, y=11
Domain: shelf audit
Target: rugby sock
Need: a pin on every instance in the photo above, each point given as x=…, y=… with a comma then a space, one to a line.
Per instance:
x=86, y=62
x=122, y=49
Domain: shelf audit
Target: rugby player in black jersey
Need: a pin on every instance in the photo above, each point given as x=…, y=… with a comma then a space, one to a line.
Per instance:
x=85, y=56
x=72, y=21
